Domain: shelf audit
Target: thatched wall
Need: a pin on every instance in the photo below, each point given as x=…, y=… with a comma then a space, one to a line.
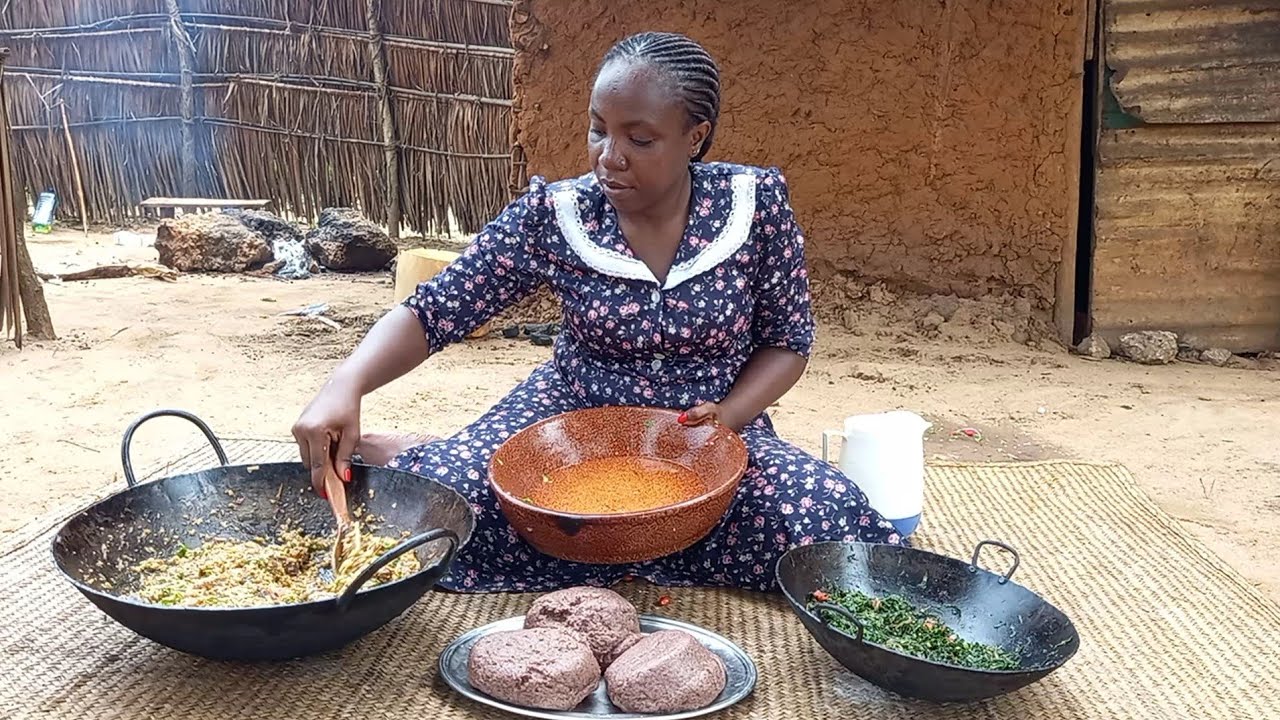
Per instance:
x=309, y=103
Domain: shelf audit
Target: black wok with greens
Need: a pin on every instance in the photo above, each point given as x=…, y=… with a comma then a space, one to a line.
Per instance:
x=896, y=624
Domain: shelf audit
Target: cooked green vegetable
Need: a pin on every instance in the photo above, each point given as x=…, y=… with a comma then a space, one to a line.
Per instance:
x=898, y=625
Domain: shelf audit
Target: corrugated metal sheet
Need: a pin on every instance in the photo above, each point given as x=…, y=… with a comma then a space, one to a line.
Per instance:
x=1178, y=61
x=1188, y=233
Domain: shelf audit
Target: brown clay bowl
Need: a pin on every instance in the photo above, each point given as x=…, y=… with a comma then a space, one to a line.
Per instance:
x=716, y=454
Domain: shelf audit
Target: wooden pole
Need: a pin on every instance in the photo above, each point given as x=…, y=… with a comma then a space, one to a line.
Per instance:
x=1067, y=290
x=186, y=70
x=390, y=139
x=34, y=307
x=10, y=287
x=20, y=289
x=75, y=169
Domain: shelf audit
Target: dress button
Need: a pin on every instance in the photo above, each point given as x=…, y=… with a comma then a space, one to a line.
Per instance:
x=656, y=365
x=657, y=296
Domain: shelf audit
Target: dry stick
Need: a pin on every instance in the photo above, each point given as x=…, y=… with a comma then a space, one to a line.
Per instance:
x=76, y=444
x=117, y=270
x=390, y=139
x=25, y=291
x=47, y=74
x=70, y=33
x=103, y=121
x=311, y=85
x=75, y=170
x=10, y=292
x=186, y=67
x=99, y=26
x=239, y=125
x=169, y=79
x=393, y=40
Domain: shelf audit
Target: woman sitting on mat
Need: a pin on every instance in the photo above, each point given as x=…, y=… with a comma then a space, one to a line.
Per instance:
x=683, y=286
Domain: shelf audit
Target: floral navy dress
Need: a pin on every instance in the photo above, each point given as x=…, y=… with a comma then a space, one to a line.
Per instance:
x=738, y=283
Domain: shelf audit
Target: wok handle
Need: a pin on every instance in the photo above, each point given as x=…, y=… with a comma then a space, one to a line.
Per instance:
x=973, y=564
x=126, y=446
x=386, y=558
x=832, y=607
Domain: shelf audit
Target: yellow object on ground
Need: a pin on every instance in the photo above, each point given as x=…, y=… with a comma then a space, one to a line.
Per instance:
x=416, y=266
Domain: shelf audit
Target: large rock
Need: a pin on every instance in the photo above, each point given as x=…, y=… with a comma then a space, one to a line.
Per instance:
x=1094, y=347
x=1150, y=347
x=1218, y=357
x=1187, y=355
x=347, y=242
x=1192, y=342
x=272, y=227
x=210, y=242
x=1243, y=363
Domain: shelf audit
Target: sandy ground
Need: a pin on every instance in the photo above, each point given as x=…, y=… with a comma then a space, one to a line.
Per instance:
x=1200, y=440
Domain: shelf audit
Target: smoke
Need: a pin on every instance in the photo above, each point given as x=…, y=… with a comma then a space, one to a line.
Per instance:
x=286, y=241
x=296, y=261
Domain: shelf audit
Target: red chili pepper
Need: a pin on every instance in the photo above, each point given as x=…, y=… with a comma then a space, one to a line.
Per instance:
x=664, y=601
x=821, y=596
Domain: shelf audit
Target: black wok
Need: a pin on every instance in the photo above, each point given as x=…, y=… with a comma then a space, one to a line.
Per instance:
x=96, y=548
x=979, y=605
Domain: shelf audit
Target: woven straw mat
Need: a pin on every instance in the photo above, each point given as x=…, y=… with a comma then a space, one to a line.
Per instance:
x=1167, y=629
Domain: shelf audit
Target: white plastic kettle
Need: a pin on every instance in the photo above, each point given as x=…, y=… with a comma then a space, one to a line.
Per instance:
x=883, y=454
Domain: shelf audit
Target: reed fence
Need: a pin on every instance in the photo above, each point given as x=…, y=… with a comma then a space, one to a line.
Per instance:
x=402, y=110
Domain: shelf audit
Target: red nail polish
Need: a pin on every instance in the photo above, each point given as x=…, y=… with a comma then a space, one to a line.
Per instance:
x=346, y=475
x=683, y=417
x=324, y=494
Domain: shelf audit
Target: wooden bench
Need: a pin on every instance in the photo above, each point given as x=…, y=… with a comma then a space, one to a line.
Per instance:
x=166, y=206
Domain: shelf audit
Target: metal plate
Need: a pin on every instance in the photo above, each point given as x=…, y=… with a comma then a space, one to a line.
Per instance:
x=740, y=673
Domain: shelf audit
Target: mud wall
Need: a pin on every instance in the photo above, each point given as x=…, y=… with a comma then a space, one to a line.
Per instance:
x=933, y=145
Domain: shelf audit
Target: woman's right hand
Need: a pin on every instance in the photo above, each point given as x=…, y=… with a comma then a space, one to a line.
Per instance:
x=329, y=427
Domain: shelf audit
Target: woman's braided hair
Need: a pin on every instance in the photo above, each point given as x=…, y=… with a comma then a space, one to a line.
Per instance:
x=696, y=77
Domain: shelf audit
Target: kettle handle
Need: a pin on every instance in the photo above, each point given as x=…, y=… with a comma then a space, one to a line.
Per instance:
x=826, y=443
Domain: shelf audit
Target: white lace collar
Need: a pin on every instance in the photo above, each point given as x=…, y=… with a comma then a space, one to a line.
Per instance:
x=734, y=234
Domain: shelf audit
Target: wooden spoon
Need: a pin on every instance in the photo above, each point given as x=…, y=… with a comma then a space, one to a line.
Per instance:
x=347, y=532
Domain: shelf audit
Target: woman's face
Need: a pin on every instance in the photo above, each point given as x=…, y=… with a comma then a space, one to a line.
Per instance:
x=641, y=140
